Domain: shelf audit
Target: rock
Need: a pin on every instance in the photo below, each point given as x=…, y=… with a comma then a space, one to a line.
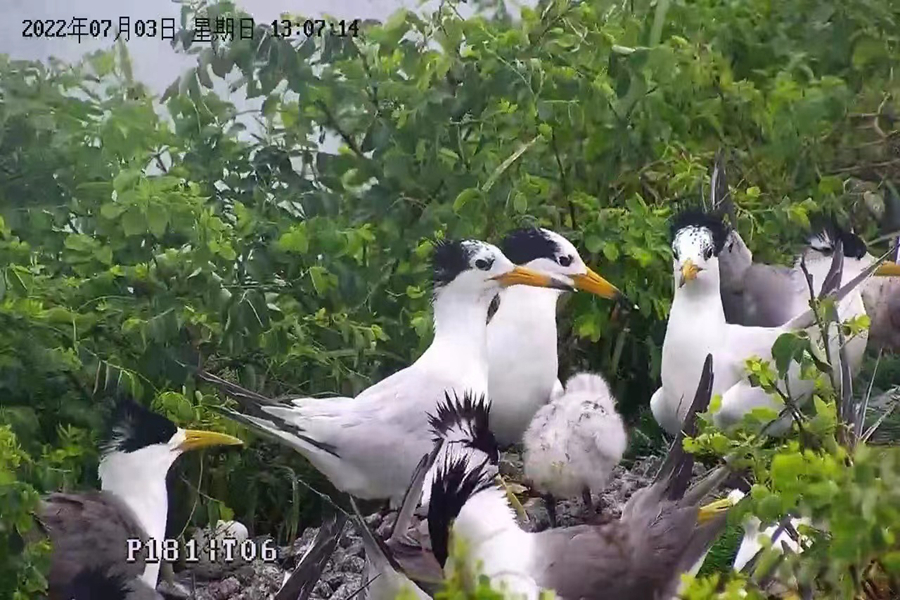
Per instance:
x=352, y=564
x=342, y=576
x=349, y=588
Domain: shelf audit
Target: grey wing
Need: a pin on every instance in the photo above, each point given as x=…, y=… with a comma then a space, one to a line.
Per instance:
x=611, y=560
x=584, y=562
x=380, y=435
x=768, y=296
x=89, y=531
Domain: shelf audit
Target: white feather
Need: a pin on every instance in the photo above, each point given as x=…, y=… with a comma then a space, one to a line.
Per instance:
x=577, y=440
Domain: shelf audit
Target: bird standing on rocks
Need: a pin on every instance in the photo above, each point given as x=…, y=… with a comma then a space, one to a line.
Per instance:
x=522, y=334
x=663, y=531
x=574, y=443
x=369, y=446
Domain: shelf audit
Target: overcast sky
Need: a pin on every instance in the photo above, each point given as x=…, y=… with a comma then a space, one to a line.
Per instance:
x=155, y=62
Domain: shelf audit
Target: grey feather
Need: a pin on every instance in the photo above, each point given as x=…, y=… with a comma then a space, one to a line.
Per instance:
x=88, y=531
x=642, y=555
x=414, y=493
x=302, y=581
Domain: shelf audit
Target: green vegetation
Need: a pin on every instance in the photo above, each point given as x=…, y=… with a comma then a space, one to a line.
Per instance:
x=130, y=239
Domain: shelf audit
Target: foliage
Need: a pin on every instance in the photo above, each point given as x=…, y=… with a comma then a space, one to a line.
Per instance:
x=136, y=236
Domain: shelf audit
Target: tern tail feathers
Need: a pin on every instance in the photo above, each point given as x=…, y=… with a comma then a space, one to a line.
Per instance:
x=808, y=318
x=302, y=581
x=256, y=413
x=720, y=197
x=278, y=431
x=376, y=550
x=675, y=473
x=414, y=493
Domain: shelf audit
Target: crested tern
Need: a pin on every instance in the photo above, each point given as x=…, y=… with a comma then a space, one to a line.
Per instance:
x=522, y=338
x=91, y=530
x=369, y=446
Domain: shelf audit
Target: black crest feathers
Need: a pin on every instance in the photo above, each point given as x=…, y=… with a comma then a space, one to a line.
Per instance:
x=133, y=426
x=471, y=417
x=825, y=239
x=456, y=481
x=450, y=258
x=525, y=245
x=712, y=222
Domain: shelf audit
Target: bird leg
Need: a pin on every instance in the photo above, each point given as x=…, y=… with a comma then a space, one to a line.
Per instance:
x=550, y=504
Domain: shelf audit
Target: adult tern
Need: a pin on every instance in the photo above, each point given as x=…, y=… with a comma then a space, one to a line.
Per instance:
x=91, y=531
x=369, y=446
x=697, y=326
x=522, y=337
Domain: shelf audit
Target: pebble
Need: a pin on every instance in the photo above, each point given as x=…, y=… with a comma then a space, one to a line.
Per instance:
x=342, y=577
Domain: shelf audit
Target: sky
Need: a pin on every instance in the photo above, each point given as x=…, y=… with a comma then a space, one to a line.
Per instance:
x=155, y=62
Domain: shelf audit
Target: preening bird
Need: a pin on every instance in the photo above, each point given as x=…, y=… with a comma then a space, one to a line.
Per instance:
x=90, y=531
x=368, y=446
x=663, y=531
x=522, y=335
x=574, y=442
x=697, y=326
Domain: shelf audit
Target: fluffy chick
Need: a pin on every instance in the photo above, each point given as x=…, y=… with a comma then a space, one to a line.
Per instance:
x=573, y=443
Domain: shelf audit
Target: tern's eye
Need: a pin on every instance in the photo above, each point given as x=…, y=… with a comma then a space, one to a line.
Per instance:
x=707, y=252
x=484, y=264
x=675, y=252
x=564, y=260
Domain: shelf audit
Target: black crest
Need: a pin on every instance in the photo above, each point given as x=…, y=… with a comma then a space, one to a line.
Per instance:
x=133, y=426
x=712, y=222
x=524, y=245
x=469, y=415
x=825, y=239
x=95, y=584
x=455, y=483
x=450, y=258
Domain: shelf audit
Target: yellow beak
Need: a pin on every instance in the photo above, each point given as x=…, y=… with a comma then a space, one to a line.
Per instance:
x=194, y=439
x=593, y=283
x=689, y=272
x=714, y=509
x=887, y=269
x=524, y=276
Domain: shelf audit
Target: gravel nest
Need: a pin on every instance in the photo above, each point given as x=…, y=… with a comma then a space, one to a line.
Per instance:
x=343, y=576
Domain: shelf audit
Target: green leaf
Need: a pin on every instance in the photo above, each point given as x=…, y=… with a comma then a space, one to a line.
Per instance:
x=133, y=222
x=112, y=210
x=157, y=220
x=294, y=241
x=464, y=197
x=520, y=202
